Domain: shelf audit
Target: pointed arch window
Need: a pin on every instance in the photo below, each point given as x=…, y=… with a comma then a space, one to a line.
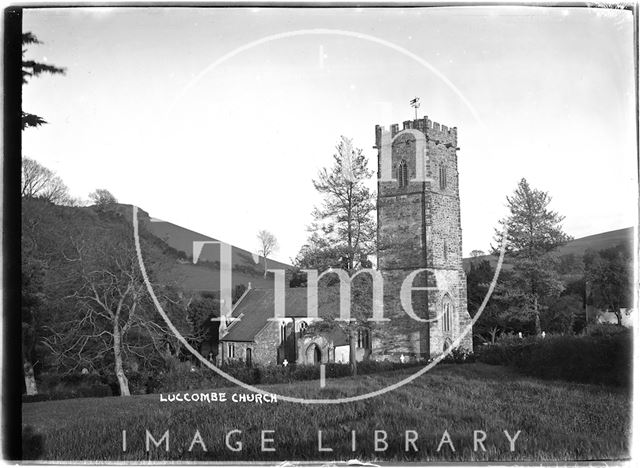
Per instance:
x=403, y=174
x=447, y=312
x=364, y=338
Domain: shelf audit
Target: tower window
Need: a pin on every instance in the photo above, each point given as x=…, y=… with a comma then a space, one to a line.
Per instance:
x=446, y=314
x=444, y=251
x=443, y=177
x=403, y=174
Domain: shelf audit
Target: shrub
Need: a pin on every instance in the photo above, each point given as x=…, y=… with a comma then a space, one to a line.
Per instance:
x=604, y=329
x=459, y=356
x=601, y=358
x=93, y=391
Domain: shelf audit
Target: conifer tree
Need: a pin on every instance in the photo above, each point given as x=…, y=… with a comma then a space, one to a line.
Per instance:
x=533, y=231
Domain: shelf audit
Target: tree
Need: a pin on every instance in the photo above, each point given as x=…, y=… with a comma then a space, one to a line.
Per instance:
x=344, y=222
x=477, y=253
x=533, y=231
x=110, y=321
x=609, y=274
x=560, y=313
x=342, y=236
x=479, y=279
x=268, y=245
x=32, y=301
x=102, y=198
x=41, y=182
x=30, y=69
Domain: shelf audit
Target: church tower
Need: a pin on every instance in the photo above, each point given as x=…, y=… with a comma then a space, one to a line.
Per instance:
x=420, y=236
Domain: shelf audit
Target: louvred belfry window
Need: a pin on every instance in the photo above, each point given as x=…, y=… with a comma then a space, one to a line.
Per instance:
x=443, y=177
x=403, y=174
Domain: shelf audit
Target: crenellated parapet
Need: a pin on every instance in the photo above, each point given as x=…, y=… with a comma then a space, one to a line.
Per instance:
x=440, y=134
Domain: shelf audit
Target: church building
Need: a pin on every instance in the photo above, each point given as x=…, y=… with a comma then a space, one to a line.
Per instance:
x=419, y=239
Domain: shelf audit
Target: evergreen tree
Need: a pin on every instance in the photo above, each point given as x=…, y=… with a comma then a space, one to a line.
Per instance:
x=30, y=69
x=344, y=223
x=342, y=236
x=533, y=231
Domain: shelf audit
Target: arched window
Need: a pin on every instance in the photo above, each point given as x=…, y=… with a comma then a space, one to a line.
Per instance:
x=403, y=174
x=447, y=319
x=444, y=251
x=364, y=339
x=443, y=177
x=303, y=326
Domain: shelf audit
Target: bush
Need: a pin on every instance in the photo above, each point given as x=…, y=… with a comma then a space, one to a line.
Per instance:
x=55, y=386
x=93, y=391
x=602, y=356
x=604, y=329
x=459, y=356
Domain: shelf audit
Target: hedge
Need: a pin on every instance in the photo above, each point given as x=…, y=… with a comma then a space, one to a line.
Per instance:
x=598, y=357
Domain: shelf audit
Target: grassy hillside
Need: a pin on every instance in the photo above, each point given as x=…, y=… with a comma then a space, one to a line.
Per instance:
x=557, y=420
x=576, y=247
x=205, y=275
x=182, y=239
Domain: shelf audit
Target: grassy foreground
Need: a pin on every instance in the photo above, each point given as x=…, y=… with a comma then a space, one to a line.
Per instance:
x=557, y=420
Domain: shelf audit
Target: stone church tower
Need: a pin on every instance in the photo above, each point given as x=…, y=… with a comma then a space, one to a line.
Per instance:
x=419, y=233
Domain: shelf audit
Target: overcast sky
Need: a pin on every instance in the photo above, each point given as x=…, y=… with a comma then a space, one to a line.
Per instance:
x=218, y=119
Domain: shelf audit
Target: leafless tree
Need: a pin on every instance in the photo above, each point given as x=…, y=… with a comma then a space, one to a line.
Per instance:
x=111, y=319
x=41, y=182
x=268, y=245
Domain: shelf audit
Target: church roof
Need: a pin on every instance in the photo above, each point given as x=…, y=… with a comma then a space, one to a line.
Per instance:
x=257, y=307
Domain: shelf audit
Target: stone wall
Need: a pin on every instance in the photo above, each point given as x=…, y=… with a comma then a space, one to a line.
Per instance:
x=267, y=342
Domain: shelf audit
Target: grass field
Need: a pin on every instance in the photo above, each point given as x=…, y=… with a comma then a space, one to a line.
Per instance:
x=557, y=420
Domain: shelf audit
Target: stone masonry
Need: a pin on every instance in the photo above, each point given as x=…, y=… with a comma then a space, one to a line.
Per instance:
x=419, y=228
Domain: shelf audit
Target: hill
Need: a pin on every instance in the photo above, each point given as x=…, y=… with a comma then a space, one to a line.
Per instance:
x=576, y=247
x=172, y=255
x=205, y=275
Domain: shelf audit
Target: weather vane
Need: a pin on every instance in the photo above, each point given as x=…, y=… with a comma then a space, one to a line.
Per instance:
x=415, y=103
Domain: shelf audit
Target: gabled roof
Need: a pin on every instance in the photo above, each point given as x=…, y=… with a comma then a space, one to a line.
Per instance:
x=257, y=307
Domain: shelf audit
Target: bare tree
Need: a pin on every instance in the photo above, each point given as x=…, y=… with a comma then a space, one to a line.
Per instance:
x=111, y=319
x=268, y=245
x=41, y=182
x=102, y=198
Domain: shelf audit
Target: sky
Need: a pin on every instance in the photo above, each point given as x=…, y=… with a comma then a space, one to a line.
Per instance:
x=219, y=119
